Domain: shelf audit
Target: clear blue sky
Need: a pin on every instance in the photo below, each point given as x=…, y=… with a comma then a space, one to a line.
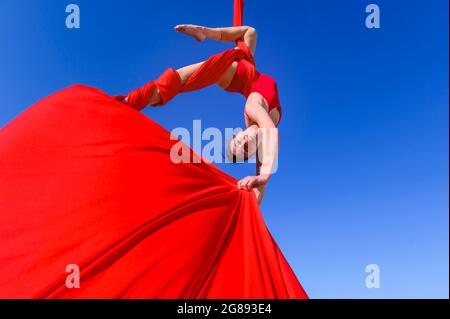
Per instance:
x=363, y=174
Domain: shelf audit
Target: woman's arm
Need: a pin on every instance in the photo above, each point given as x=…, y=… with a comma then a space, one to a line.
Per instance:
x=231, y=34
x=267, y=150
x=259, y=193
x=261, y=190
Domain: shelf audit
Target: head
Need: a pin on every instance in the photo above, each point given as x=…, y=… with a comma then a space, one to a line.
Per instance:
x=243, y=145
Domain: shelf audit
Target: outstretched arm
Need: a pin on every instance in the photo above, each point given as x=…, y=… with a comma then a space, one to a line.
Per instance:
x=231, y=34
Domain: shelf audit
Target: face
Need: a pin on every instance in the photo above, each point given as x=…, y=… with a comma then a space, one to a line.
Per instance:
x=245, y=143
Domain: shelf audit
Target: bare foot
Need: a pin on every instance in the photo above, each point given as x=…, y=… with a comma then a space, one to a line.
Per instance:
x=194, y=31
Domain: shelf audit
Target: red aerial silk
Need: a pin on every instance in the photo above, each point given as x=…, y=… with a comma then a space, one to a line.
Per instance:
x=87, y=180
x=238, y=13
x=88, y=183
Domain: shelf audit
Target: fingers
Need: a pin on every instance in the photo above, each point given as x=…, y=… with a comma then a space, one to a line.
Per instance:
x=242, y=183
x=251, y=183
x=247, y=183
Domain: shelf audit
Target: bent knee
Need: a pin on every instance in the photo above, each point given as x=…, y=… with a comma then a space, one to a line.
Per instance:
x=250, y=39
x=251, y=32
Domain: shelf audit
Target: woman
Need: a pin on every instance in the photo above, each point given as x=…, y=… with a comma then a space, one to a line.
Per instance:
x=262, y=110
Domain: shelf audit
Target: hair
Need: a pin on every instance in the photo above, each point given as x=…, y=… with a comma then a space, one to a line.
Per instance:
x=232, y=158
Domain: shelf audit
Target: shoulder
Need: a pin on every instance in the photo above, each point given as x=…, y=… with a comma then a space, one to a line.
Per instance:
x=255, y=104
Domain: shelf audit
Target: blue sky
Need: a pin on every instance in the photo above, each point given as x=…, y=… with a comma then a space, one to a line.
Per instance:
x=363, y=173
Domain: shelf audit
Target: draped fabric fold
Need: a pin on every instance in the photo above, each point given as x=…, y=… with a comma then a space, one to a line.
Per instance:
x=88, y=183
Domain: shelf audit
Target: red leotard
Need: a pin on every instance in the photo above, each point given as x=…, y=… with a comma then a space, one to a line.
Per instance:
x=262, y=83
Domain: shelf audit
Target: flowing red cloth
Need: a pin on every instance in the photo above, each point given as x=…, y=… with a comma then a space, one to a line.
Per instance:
x=87, y=181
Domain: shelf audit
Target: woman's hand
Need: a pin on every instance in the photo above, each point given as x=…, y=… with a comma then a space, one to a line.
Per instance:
x=250, y=182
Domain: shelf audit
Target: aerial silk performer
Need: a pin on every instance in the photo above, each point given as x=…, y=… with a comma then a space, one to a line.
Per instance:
x=93, y=206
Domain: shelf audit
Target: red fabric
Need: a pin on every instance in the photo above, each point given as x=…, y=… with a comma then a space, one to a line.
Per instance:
x=239, y=83
x=238, y=13
x=86, y=180
x=267, y=87
x=169, y=83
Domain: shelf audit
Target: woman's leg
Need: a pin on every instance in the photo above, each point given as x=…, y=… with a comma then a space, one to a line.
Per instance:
x=231, y=34
x=149, y=94
x=184, y=74
x=224, y=80
x=187, y=71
